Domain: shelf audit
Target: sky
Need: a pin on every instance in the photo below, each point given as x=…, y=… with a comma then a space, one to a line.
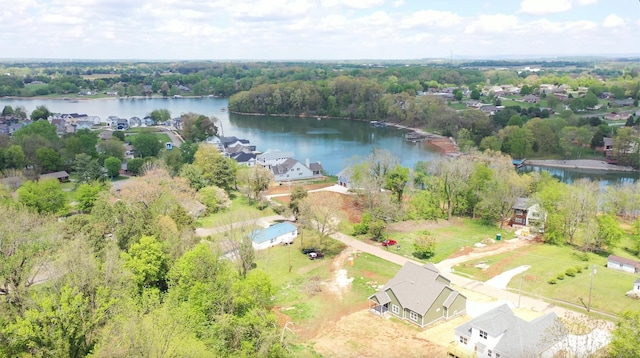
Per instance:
x=316, y=30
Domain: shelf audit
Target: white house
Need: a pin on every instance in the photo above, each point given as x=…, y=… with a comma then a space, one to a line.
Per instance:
x=623, y=264
x=498, y=333
x=636, y=286
x=215, y=140
x=292, y=169
x=281, y=233
x=273, y=157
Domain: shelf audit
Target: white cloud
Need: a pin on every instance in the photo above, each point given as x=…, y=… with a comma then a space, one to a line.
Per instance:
x=493, y=24
x=587, y=2
x=431, y=18
x=353, y=4
x=397, y=3
x=613, y=20
x=543, y=7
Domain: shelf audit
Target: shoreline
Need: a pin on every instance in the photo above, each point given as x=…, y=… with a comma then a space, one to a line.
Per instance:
x=588, y=164
x=444, y=145
x=84, y=98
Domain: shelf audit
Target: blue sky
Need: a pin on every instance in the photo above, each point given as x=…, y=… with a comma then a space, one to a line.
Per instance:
x=316, y=30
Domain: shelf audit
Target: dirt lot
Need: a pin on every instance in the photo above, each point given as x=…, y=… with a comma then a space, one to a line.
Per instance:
x=363, y=334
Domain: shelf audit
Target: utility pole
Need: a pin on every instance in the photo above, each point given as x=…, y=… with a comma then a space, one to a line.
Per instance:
x=593, y=273
x=520, y=290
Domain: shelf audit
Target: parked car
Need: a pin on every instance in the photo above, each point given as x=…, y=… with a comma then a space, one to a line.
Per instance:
x=309, y=250
x=389, y=242
x=315, y=255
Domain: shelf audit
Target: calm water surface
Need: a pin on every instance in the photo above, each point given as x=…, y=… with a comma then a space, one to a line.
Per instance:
x=332, y=142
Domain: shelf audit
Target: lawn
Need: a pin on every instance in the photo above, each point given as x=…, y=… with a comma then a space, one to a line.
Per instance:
x=240, y=210
x=457, y=105
x=451, y=237
x=304, y=288
x=548, y=262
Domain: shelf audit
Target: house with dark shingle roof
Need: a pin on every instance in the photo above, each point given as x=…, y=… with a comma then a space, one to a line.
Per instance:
x=60, y=176
x=420, y=295
x=499, y=333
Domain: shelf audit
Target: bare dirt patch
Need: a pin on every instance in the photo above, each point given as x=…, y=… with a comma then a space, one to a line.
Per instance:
x=362, y=334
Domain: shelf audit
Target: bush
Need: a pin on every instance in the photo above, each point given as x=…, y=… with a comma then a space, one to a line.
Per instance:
x=570, y=272
x=424, y=246
x=552, y=281
x=363, y=227
x=578, y=269
x=560, y=277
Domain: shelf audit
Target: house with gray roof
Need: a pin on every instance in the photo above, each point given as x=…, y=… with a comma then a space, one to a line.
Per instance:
x=623, y=264
x=420, y=295
x=292, y=169
x=499, y=333
x=527, y=213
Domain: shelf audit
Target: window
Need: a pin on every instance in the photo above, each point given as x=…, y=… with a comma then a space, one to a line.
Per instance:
x=497, y=355
x=489, y=353
x=413, y=316
x=395, y=309
x=463, y=340
x=483, y=334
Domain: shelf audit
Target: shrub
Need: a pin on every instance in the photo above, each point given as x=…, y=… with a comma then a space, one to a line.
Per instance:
x=560, y=277
x=424, y=246
x=552, y=281
x=578, y=269
x=570, y=272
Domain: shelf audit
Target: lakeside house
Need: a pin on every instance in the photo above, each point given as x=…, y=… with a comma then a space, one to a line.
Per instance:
x=527, y=213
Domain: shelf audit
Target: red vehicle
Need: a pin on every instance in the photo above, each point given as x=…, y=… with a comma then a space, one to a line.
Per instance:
x=389, y=242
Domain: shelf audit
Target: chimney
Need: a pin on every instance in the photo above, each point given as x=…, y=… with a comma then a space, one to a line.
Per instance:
x=307, y=162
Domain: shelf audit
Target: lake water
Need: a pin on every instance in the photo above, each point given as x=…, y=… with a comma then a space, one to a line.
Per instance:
x=332, y=142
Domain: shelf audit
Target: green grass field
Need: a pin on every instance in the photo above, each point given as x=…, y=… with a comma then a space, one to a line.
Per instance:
x=450, y=238
x=239, y=211
x=298, y=282
x=548, y=262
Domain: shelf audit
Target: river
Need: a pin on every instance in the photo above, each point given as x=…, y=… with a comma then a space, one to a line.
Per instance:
x=335, y=143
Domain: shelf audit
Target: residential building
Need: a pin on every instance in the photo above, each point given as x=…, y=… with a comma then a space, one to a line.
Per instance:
x=420, y=295
x=291, y=169
x=60, y=176
x=527, y=213
x=273, y=157
x=499, y=333
x=344, y=177
x=623, y=264
x=281, y=233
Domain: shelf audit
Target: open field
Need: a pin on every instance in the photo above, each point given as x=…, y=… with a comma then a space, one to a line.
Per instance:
x=548, y=262
x=239, y=211
x=452, y=237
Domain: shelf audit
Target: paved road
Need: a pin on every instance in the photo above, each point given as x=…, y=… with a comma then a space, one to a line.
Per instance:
x=473, y=285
